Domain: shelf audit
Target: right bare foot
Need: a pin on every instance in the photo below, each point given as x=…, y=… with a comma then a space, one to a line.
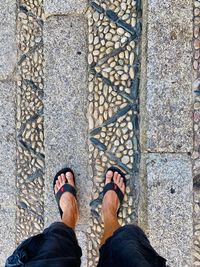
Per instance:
x=111, y=201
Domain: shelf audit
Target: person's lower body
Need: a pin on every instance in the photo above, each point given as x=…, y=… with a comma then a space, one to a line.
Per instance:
x=57, y=246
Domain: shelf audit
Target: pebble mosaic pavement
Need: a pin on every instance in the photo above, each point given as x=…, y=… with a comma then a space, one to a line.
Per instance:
x=114, y=52
x=114, y=69
x=30, y=148
x=114, y=64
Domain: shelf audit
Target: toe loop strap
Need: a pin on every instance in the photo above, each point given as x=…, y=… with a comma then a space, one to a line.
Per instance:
x=114, y=187
x=63, y=189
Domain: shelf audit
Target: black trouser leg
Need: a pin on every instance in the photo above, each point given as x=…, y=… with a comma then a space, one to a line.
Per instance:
x=129, y=247
x=57, y=246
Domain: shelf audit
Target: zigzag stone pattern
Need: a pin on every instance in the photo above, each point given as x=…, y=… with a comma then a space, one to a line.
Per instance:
x=114, y=68
x=29, y=122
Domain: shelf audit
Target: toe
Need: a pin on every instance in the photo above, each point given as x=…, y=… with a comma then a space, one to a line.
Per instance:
x=55, y=188
x=115, y=178
x=58, y=182
x=123, y=188
x=62, y=181
x=109, y=176
x=118, y=179
x=121, y=182
x=70, y=178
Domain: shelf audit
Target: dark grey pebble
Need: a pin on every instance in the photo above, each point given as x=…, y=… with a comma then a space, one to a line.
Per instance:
x=95, y=131
x=22, y=205
x=97, y=7
x=98, y=144
x=112, y=15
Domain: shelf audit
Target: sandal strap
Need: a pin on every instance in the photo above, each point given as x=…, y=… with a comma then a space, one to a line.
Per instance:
x=114, y=187
x=65, y=188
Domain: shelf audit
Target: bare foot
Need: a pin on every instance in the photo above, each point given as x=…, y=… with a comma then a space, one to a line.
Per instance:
x=68, y=202
x=111, y=201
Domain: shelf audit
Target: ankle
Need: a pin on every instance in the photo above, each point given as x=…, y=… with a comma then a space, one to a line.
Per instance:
x=70, y=222
x=110, y=226
x=70, y=218
x=110, y=217
x=111, y=213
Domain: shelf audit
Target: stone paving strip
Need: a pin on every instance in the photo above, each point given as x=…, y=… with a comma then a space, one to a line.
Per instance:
x=196, y=152
x=170, y=206
x=7, y=169
x=8, y=47
x=168, y=90
x=167, y=132
x=8, y=58
x=65, y=107
x=62, y=7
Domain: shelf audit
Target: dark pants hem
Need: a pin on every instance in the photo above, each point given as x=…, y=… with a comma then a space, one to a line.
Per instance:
x=57, y=246
x=129, y=246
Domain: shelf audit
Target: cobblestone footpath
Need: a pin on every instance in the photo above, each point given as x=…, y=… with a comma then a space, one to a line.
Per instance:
x=90, y=84
x=114, y=64
x=29, y=124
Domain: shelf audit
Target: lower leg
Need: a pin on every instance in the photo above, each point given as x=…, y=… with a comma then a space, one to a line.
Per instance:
x=68, y=202
x=110, y=206
x=69, y=217
x=111, y=224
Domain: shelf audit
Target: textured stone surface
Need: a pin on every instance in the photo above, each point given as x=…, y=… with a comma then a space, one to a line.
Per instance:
x=66, y=124
x=169, y=74
x=113, y=57
x=7, y=234
x=82, y=240
x=196, y=152
x=65, y=107
x=7, y=170
x=169, y=180
x=7, y=37
x=64, y=6
x=29, y=120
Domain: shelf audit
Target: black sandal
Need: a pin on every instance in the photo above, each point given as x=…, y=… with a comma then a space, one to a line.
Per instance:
x=65, y=188
x=113, y=186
